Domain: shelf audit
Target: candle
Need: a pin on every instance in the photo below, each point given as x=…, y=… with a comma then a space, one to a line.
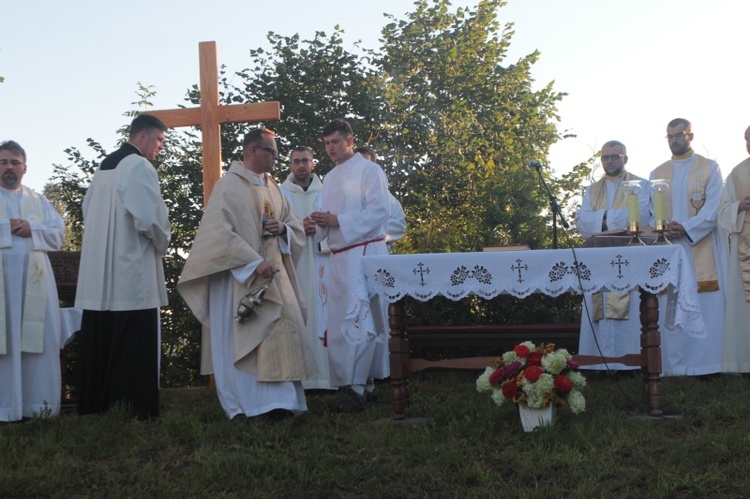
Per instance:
x=660, y=207
x=634, y=214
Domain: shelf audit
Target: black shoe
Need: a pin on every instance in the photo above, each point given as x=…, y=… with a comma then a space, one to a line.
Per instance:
x=348, y=401
x=240, y=418
x=277, y=415
x=372, y=397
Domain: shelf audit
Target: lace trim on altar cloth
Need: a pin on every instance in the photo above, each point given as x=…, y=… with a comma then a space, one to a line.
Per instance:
x=522, y=273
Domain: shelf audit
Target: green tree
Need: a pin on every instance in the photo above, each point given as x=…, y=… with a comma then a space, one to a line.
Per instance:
x=461, y=127
x=454, y=125
x=315, y=81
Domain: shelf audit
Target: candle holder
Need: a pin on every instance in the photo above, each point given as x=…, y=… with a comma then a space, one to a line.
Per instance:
x=634, y=231
x=659, y=192
x=631, y=189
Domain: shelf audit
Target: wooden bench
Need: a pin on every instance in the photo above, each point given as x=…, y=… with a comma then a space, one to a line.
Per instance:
x=65, y=269
x=491, y=338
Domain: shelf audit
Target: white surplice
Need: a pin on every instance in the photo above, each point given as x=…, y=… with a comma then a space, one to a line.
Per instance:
x=736, y=334
x=356, y=191
x=29, y=382
x=684, y=354
x=127, y=234
x=312, y=268
x=396, y=223
x=609, y=337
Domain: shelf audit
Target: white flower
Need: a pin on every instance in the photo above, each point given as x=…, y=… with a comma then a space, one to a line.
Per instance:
x=497, y=396
x=537, y=390
x=576, y=402
x=510, y=357
x=483, y=382
x=534, y=400
x=555, y=362
x=577, y=379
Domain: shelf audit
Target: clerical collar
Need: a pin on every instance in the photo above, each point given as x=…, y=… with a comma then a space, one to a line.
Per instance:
x=135, y=147
x=619, y=175
x=683, y=156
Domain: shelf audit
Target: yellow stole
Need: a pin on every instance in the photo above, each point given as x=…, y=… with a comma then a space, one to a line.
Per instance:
x=618, y=304
x=703, y=251
x=35, y=298
x=741, y=180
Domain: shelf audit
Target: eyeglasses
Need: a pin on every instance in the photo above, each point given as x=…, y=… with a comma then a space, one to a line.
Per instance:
x=273, y=151
x=303, y=161
x=607, y=157
x=676, y=136
x=11, y=162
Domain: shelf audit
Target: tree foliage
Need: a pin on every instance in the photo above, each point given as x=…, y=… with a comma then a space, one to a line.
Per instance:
x=454, y=124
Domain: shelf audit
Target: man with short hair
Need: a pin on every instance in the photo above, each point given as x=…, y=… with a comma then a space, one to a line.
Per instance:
x=695, y=185
x=732, y=217
x=247, y=245
x=397, y=221
x=610, y=325
x=30, y=339
x=302, y=187
x=353, y=216
x=121, y=278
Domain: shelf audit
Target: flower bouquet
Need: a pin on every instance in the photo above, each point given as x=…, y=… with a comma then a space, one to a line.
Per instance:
x=535, y=376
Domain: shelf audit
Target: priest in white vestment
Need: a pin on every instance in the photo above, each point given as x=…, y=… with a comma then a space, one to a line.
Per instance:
x=250, y=238
x=302, y=187
x=353, y=216
x=30, y=338
x=695, y=191
x=121, y=282
x=735, y=202
x=610, y=322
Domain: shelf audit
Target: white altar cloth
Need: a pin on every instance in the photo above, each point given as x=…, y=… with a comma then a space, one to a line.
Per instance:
x=70, y=323
x=522, y=273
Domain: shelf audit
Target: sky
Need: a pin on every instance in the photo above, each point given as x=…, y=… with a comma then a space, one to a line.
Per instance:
x=71, y=68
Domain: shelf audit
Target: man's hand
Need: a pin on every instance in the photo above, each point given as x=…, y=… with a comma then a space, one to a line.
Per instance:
x=675, y=230
x=266, y=269
x=20, y=227
x=309, y=225
x=325, y=219
x=274, y=226
x=744, y=204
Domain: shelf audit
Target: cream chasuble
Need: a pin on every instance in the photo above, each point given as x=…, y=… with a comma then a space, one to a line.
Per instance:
x=703, y=253
x=740, y=177
x=270, y=344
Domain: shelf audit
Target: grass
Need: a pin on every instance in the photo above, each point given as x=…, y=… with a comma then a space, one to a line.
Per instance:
x=468, y=448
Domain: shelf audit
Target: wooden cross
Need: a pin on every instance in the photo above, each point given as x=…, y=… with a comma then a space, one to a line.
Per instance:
x=210, y=116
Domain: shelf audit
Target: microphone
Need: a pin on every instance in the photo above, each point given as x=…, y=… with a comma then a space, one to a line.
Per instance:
x=534, y=164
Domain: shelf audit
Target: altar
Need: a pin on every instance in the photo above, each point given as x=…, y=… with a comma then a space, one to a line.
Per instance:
x=651, y=269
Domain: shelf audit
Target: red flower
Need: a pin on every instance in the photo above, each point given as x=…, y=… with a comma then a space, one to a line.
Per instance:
x=522, y=351
x=534, y=359
x=496, y=376
x=562, y=383
x=510, y=389
x=532, y=373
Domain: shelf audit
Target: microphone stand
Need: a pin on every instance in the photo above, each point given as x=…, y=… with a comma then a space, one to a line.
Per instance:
x=553, y=206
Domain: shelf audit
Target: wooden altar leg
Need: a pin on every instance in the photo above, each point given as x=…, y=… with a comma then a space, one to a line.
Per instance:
x=398, y=346
x=651, y=351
